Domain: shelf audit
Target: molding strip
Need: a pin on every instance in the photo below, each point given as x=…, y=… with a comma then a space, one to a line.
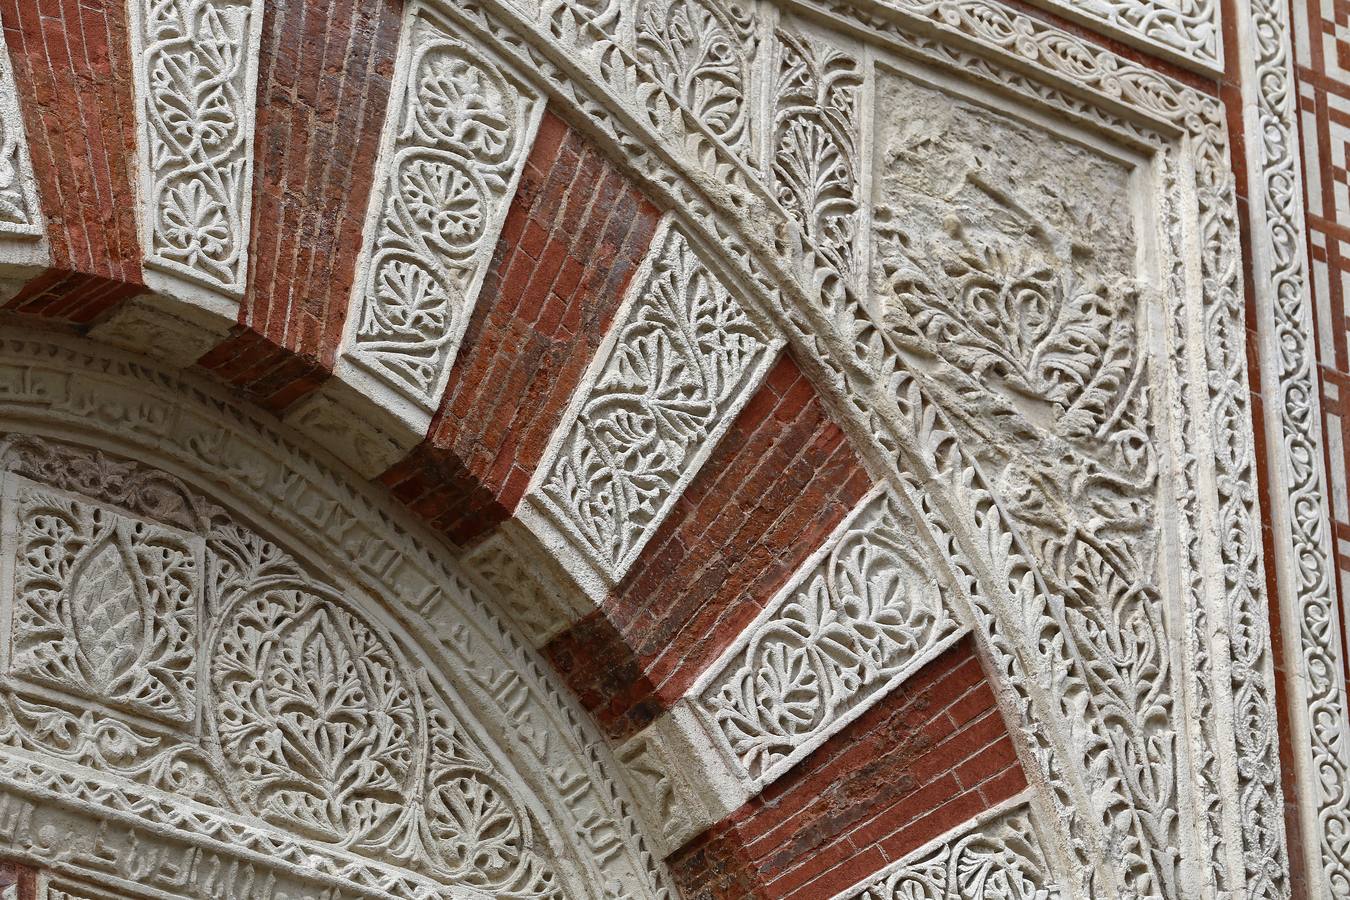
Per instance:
x=1310, y=611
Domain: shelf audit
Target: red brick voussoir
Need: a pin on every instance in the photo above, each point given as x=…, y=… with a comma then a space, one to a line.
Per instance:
x=573, y=236
x=931, y=755
x=778, y=482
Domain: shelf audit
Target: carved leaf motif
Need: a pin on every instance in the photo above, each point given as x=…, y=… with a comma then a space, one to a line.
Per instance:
x=315, y=719
x=814, y=144
x=996, y=859
x=106, y=606
x=196, y=62
x=863, y=615
x=455, y=138
x=682, y=357
x=702, y=53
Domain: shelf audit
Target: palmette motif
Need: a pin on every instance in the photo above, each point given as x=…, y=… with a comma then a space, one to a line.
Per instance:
x=681, y=362
x=997, y=858
x=456, y=138
x=847, y=629
x=197, y=69
x=312, y=720
x=814, y=143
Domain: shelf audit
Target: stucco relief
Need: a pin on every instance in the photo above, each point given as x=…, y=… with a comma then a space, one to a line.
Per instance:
x=999, y=856
x=856, y=620
x=680, y=361
x=456, y=136
x=1006, y=270
x=196, y=87
x=165, y=651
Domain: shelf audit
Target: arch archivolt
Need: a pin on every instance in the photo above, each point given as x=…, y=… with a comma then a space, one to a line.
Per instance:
x=1105, y=556
x=322, y=706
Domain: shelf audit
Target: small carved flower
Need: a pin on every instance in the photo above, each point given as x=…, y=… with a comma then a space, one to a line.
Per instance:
x=444, y=201
x=194, y=224
x=465, y=105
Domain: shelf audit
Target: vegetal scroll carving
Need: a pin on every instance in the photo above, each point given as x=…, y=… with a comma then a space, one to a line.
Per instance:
x=815, y=143
x=847, y=628
x=704, y=54
x=196, y=91
x=313, y=720
x=999, y=858
x=1005, y=263
x=682, y=360
x=106, y=604
x=457, y=135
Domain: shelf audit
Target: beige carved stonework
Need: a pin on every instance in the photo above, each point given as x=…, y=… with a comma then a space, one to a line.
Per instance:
x=1008, y=261
x=191, y=708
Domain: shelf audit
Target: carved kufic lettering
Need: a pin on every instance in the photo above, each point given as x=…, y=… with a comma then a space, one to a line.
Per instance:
x=457, y=134
x=847, y=627
x=196, y=72
x=678, y=365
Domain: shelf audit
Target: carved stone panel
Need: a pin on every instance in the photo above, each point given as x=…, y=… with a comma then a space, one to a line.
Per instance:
x=1008, y=271
x=997, y=857
x=814, y=141
x=161, y=644
x=678, y=364
x=19, y=214
x=196, y=89
x=456, y=135
x=103, y=604
x=857, y=619
x=704, y=53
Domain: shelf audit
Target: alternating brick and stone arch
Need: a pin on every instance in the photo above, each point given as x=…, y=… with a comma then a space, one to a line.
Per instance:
x=831, y=418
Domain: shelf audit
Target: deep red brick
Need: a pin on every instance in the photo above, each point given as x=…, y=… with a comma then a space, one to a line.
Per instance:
x=323, y=89
x=72, y=69
x=760, y=505
x=878, y=789
x=556, y=279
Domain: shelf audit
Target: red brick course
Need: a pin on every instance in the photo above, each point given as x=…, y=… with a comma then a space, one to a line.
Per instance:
x=781, y=478
x=23, y=878
x=575, y=232
x=324, y=77
x=73, y=75
x=929, y=756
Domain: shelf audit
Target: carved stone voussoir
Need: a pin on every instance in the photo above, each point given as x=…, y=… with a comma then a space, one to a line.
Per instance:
x=679, y=362
x=856, y=620
x=196, y=75
x=456, y=136
x=193, y=708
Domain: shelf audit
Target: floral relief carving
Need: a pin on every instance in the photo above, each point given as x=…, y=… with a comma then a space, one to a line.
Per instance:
x=1187, y=30
x=18, y=200
x=315, y=722
x=680, y=361
x=814, y=152
x=105, y=605
x=457, y=135
x=704, y=53
x=1319, y=723
x=196, y=75
x=848, y=627
x=1005, y=267
x=1078, y=81
x=999, y=857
